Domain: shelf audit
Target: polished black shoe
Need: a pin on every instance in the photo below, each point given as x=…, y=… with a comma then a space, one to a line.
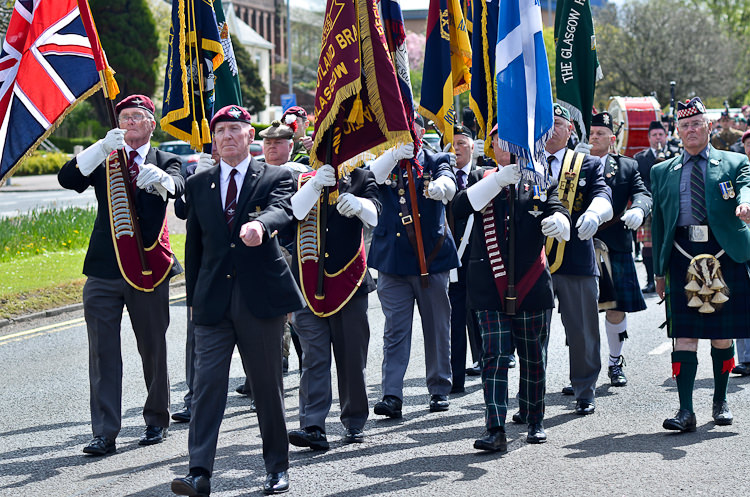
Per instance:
x=649, y=288
x=312, y=437
x=390, y=406
x=616, y=375
x=276, y=483
x=584, y=407
x=683, y=420
x=353, y=436
x=742, y=369
x=512, y=362
x=242, y=390
x=439, y=403
x=722, y=415
x=492, y=441
x=536, y=434
x=195, y=486
x=182, y=416
x=284, y=364
x=100, y=446
x=153, y=435
x=474, y=370
x=568, y=390
x=518, y=419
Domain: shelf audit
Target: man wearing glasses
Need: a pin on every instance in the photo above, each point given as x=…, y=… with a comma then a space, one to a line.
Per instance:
x=154, y=176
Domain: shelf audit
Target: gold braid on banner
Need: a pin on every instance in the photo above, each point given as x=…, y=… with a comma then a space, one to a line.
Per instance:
x=567, y=188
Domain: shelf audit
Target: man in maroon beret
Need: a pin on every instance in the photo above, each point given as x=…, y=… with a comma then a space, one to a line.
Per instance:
x=296, y=118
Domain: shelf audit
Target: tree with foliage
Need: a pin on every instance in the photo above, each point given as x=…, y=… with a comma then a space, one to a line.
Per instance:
x=251, y=86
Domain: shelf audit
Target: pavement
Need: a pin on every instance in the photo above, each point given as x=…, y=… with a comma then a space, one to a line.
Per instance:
x=36, y=183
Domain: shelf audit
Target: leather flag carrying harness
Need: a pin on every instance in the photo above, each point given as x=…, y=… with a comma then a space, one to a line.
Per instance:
x=569, y=173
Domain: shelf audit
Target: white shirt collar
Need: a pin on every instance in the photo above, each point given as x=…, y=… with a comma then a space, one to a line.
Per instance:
x=466, y=169
x=142, y=152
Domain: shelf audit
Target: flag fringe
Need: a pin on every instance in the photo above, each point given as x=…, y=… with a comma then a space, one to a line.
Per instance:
x=577, y=117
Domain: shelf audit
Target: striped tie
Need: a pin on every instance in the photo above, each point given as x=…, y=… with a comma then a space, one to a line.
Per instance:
x=697, y=192
x=133, y=168
x=230, y=203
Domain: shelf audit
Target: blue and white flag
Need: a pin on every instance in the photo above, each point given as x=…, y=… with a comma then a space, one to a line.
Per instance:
x=524, y=90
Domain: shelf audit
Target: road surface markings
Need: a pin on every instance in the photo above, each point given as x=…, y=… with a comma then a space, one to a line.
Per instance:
x=665, y=347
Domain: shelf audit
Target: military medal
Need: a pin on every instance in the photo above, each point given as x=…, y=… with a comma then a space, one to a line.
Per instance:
x=543, y=196
x=536, y=212
x=388, y=182
x=537, y=196
x=582, y=182
x=727, y=190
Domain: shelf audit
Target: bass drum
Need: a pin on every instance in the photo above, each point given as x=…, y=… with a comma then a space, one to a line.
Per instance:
x=635, y=114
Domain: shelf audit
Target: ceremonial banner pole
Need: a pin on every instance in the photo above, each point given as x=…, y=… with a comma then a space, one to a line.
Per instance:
x=510, y=295
x=323, y=222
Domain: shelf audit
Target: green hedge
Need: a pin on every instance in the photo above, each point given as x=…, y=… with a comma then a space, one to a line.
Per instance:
x=67, y=144
x=42, y=163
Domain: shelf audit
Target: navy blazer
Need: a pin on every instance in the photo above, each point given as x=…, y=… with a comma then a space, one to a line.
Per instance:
x=100, y=260
x=214, y=257
x=390, y=251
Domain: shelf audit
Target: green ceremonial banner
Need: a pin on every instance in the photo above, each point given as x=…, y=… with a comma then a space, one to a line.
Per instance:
x=577, y=66
x=226, y=76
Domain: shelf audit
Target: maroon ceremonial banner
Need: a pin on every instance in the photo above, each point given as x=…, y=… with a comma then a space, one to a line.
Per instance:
x=363, y=111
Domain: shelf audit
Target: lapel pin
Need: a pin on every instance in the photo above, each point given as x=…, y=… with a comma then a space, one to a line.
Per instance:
x=715, y=162
x=213, y=185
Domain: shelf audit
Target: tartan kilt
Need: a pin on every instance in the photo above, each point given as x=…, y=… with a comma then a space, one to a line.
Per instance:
x=643, y=234
x=731, y=321
x=627, y=288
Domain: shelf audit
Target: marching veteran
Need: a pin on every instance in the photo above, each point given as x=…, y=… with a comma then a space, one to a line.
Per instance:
x=240, y=288
x=701, y=253
x=116, y=274
x=337, y=318
x=631, y=202
x=538, y=213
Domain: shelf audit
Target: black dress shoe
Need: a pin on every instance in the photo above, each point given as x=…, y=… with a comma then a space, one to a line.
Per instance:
x=518, y=419
x=276, y=483
x=649, y=288
x=153, y=435
x=439, y=403
x=195, y=486
x=100, y=446
x=683, y=420
x=722, y=414
x=455, y=389
x=742, y=369
x=568, y=390
x=312, y=437
x=512, y=362
x=353, y=436
x=616, y=375
x=474, y=370
x=584, y=407
x=536, y=434
x=390, y=406
x=492, y=441
x=243, y=391
x=182, y=416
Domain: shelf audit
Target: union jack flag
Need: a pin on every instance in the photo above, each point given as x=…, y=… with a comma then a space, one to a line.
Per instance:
x=46, y=67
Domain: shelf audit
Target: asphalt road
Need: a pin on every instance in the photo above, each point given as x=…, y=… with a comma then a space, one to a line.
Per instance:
x=620, y=450
x=13, y=203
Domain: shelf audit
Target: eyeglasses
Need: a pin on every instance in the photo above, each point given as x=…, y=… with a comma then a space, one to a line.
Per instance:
x=136, y=118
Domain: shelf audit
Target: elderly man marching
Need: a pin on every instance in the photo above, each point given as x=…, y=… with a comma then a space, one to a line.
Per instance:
x=337, y=318
x=631, y=203
x=538, y=213
x=701, y=253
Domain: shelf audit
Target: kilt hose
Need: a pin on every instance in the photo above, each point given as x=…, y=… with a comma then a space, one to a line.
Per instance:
x=627, y=288
x=529, y=331
x=731, y=321
x=643, y=234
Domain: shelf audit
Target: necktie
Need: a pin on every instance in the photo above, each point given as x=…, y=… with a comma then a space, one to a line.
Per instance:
x=133, y=168
x=550, y=160
x=461, y=179
x=697, y=192
x=230, y=203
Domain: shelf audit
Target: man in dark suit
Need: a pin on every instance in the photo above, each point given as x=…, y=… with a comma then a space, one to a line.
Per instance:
x=584, y=193
x=631, y=202
x=240, y=289
x=393, y=253
x=538, y=213
x=700, y=222
x=115, y=275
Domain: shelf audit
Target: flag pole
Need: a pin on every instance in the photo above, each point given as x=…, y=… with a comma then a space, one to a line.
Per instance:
x=510, y=293
x=323, y=221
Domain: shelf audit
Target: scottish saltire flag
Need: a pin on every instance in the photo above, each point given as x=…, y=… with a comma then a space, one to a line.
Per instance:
x=524, y=90
x=447, y=64
x=482, y=99
x=227, y=77
x=46, y=67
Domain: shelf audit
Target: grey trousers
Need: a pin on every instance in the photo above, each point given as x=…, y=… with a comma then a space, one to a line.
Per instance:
x=349, y=333
x=743, y=350
x=259, y=340
x=103, y=301
x=578, y=304
x=397, y=295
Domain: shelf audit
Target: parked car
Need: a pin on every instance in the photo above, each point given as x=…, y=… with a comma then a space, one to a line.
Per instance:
x=186, y=153
x=256, y=148
x=432, y=142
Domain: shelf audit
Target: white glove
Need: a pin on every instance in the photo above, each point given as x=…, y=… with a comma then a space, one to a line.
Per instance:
x=325, y=176
x=633, y=218
x=382, y=165
x=556, y=226
x=403, y=152
x=150, y=175
x=478, y=149
x=441, y=189
x=451, y=155
x=349, y=205
x=508, y=175
x=583, y=148
x=89, y=159
x=205, y=161
x=587, y=224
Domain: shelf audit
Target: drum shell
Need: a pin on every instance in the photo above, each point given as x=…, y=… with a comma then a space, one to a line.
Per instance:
x=636, y=113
